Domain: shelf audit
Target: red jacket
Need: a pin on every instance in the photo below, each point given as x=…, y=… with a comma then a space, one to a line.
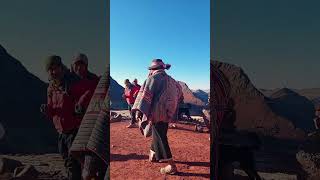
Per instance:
x=131, y=93
x=83, y=90
x=61, y=103
x=60, y=109
x=136, y=90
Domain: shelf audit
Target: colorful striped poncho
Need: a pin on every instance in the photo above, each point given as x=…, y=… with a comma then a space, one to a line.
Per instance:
x=158, y=98
x=93, y=134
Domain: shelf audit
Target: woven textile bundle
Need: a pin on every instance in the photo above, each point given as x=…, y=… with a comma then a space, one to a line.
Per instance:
x=219, y=97
x=93, y=134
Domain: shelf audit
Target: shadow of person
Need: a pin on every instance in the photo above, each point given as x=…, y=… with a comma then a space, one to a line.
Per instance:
x=126, y=157
x=186, y=174
x=204, y=164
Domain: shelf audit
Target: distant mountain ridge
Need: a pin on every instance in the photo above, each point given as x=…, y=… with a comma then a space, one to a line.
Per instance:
x=202, y=95
x=313, y=94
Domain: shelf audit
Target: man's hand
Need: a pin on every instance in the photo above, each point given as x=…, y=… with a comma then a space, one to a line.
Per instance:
x=79, y=110
x=44, y=108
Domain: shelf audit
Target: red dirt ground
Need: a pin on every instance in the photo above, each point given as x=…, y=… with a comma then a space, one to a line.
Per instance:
x=129, y=154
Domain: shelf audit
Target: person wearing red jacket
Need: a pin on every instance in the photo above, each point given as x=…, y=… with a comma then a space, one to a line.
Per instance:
x=84, y=88
x=130, y=94
x=135, y=83
x=60, y=109
x=83, y=91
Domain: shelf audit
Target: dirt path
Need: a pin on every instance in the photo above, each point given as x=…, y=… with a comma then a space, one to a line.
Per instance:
x=129, y=153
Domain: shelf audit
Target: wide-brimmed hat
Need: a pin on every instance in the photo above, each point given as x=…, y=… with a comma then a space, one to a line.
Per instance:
x=158, y=64
x=80, y=57
x=52, y=60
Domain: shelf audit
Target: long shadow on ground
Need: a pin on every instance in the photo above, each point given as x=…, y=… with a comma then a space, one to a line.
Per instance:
x=186, y=174
x=205, y=164
x=120, y=157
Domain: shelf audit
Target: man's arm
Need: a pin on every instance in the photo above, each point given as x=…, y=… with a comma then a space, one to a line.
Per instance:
x=83, y=102
x=47, y=109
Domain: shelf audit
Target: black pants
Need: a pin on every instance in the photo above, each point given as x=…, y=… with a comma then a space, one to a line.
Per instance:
x=73, y=167
x=160, y=143
x=133, y=117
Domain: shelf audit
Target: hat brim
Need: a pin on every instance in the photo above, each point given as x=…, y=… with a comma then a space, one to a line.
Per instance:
x=156, y=67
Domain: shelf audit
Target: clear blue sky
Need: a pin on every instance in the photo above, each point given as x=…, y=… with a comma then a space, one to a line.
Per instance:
x=177, y=31
x=276, y=42
x=32, y=30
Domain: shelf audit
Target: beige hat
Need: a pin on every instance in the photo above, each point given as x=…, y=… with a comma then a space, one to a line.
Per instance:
x=80, y=57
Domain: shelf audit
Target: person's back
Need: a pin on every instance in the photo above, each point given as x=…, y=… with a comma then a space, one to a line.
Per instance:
x=166, y=97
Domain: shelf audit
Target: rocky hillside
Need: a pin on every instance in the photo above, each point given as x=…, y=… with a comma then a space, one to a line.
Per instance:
x=190, y=98
x=21, y=94
x=116, y=91
x=298, y=109
x=188, y=95
x=253, y=110
x=202, y=95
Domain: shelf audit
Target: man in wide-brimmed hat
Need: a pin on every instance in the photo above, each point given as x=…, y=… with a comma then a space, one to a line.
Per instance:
x=157, y=102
